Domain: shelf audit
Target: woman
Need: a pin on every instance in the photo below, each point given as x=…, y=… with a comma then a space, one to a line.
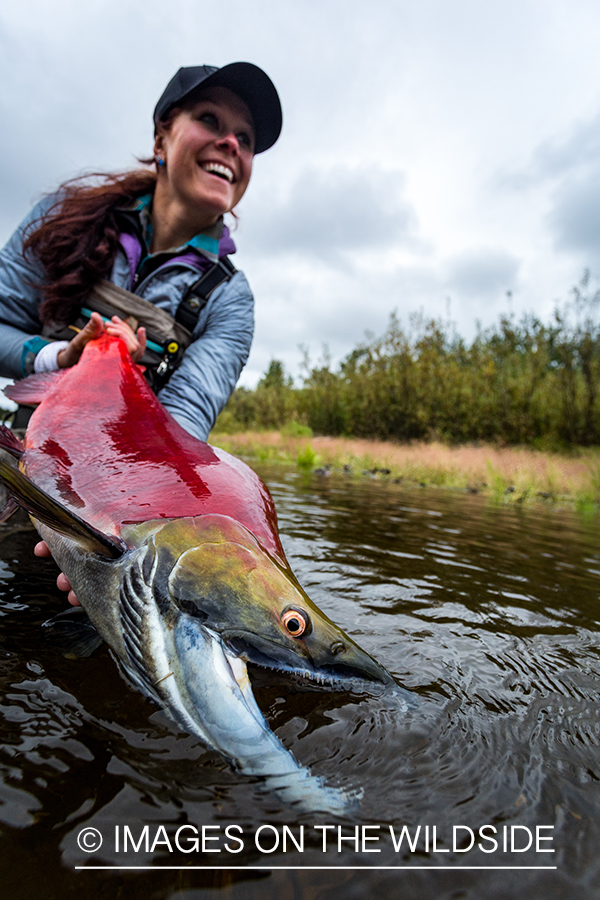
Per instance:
x=153, y=233
x=158, y=234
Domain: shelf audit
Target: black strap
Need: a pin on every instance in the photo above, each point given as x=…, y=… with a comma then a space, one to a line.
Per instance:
x=198, y=294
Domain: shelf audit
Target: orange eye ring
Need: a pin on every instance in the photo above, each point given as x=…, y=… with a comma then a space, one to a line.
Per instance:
x=295, y=622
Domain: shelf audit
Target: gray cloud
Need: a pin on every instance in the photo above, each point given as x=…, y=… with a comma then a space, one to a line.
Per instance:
x=555, y=158
x=319, y=306
x=329, y=234
x=482, y=273
x=332, y=213
x=575, y=214
x=568, y=169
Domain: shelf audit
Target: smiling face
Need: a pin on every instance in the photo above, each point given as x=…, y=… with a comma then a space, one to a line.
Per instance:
x=208, y=149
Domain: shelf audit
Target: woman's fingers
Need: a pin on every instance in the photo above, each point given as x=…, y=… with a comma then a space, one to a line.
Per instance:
x=62, y=582
x=70, y=355
x=141, y=336
x=42, y=549
x=135, y=342
x=73, y=599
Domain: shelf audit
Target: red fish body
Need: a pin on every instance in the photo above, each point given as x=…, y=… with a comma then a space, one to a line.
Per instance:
x=172, y=549
x=103, y=445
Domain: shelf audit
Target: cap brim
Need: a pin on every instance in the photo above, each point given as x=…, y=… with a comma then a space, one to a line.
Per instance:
x=257, y=91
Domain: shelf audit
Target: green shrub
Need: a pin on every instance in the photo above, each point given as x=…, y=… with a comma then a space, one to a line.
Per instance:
x=296, y=429
x=518, y=382
x=306, y=458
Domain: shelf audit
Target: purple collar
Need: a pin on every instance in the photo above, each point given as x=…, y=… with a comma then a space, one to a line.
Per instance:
x=133, y=251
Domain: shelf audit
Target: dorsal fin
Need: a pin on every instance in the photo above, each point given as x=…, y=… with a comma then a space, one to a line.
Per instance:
x=31, y=390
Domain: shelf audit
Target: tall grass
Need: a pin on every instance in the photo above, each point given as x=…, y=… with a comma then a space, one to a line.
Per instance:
x=518, y=382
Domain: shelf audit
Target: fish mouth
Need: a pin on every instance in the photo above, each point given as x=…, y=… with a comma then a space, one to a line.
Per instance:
x=228, y=582
x=207, y=690
x=210, y=693
x=358, y=675
x=201, y=680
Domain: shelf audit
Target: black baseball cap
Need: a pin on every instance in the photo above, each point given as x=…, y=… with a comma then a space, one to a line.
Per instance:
x=246, y=80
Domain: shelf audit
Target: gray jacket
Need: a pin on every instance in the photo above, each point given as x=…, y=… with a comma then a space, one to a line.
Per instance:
x=200, y=387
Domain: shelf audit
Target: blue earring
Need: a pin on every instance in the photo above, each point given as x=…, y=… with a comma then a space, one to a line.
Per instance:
x=159, y=160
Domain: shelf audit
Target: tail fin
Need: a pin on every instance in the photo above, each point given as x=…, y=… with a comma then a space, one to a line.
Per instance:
x=10, y=442
x=56, y=516
x=9, y=508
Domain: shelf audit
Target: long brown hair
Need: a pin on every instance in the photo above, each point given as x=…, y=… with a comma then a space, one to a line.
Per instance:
x=77, y=239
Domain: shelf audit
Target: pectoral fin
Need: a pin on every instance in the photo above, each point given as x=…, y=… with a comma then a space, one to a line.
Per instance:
x=56, y=516
x=73, y=633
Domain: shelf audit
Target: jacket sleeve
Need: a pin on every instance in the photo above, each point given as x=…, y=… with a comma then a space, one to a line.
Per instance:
x=20, y=325
x=212, y=364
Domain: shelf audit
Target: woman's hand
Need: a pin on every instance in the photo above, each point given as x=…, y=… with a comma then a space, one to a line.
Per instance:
x=62, y=582
x=135, y=342
x=71, y=354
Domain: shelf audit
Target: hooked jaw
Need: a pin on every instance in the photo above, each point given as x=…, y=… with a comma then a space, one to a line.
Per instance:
x=261, y=613
x=215, y=700
x=349, y=669
x=200, y=601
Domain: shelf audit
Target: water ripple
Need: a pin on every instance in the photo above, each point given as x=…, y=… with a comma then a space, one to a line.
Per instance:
x=489, y=615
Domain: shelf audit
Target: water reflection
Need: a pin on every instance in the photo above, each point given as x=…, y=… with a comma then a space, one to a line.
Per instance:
x=489, y=615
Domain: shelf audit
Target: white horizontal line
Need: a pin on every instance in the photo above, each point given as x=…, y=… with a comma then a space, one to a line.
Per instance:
x=329, y=868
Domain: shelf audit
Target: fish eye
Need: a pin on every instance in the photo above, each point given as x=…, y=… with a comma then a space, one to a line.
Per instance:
x=295, y=621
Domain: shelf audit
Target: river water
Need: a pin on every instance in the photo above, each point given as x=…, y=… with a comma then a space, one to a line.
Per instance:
x=489, y=615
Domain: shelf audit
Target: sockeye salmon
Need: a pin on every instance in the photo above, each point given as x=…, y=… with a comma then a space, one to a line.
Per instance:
x=172, y=548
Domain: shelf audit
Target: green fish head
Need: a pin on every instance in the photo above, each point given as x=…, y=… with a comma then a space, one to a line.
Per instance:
x=214, y=570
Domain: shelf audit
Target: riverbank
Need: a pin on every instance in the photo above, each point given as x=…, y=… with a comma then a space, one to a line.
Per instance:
x=505, y=474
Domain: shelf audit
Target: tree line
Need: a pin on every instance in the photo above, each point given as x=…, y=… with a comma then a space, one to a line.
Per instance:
x=517, y=382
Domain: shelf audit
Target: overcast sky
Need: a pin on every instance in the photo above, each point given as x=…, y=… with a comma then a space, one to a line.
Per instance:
x=435, y=154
